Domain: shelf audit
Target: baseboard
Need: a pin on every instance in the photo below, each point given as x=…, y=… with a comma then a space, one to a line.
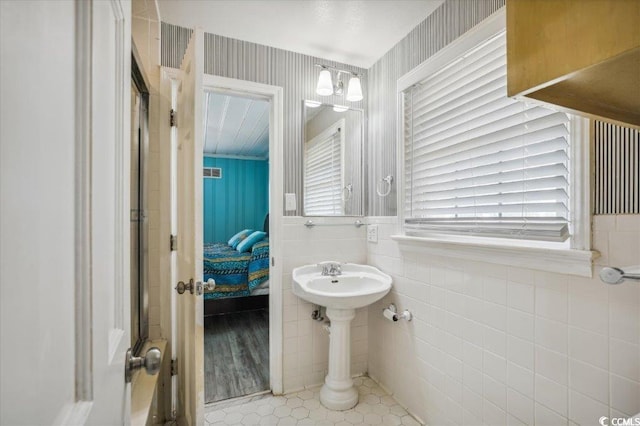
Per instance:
x=235, y=304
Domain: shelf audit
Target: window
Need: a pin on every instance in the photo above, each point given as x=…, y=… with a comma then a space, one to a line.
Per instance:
x=487, y=178
x=323, y=172
x=479, y=163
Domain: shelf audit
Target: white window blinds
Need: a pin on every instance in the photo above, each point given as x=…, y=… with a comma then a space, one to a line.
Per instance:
x=478, y=162
x=323, y=174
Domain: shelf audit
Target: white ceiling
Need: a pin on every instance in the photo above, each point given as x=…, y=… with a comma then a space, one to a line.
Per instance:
x=236, y=126
x=355, y=32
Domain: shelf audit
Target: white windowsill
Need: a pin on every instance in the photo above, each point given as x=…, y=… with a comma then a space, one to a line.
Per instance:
x=564, y=261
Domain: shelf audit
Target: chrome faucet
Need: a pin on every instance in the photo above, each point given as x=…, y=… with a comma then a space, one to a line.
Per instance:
x=331, y=269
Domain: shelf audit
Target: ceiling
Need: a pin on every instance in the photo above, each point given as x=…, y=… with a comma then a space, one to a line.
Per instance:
x=236, y=126
x=355, y=32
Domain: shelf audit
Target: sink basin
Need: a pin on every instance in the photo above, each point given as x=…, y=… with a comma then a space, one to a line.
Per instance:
x=356, y=287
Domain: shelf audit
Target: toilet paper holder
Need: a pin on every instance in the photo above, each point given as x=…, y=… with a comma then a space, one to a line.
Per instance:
x=391, y=313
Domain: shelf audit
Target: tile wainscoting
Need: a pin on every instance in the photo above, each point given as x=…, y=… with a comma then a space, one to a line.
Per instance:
x=306, y=343
x=501, y=345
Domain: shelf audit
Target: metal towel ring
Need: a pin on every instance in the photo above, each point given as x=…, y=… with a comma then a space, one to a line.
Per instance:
x=389, y=181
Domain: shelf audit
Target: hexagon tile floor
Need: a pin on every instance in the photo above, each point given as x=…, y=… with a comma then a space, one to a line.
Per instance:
x=304, y=408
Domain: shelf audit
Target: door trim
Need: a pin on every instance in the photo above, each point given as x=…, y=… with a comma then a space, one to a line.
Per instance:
x=276, y=164
x=169, y=79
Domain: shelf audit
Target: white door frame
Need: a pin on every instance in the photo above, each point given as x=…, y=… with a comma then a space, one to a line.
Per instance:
x=276, y=111
x=169, y=79
x=275, y=95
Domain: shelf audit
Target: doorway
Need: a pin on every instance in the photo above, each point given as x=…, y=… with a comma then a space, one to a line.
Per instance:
x=235, y=236
x=187, y=340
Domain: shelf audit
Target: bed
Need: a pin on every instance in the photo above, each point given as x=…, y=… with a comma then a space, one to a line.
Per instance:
x=236, y=274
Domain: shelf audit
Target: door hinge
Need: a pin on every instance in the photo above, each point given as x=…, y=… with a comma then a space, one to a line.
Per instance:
x=273, y=261
x=172, y=118
x=173, y=242
x=138, y=215
x=174, y=367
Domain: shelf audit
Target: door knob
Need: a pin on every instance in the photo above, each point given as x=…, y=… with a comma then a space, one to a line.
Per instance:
x=210, y=285
x=150, y=361
x=191, y=286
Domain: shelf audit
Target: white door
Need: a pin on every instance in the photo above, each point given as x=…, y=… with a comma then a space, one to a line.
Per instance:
x=190, y=315
x=64, y=222
x=110, y=207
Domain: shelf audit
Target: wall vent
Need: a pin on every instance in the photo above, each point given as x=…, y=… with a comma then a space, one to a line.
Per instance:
x=212, y=172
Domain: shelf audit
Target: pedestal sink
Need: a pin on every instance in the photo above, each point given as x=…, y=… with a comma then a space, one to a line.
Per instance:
x=355, y=286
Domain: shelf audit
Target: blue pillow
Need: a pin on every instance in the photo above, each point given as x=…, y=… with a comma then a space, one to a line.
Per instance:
x=235, y=240
x=247, y=243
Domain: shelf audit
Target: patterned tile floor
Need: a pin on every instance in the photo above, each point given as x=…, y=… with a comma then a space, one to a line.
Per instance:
x=304, y=408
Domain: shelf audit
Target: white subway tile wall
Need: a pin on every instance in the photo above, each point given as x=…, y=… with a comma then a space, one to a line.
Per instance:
x=306, y=343
x=501, y=345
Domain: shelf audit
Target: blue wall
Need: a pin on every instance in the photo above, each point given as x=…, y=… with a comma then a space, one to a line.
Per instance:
x=237, y=201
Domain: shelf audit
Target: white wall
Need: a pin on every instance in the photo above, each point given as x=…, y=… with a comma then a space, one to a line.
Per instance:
x=306, y=344
x=504, y=345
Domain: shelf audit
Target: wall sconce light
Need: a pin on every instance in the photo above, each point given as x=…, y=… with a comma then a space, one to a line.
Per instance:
x=354, y=90
x=325, y=86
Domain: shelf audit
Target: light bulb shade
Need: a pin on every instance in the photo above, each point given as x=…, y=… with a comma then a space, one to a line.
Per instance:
x=325, y=85
x=354, y=91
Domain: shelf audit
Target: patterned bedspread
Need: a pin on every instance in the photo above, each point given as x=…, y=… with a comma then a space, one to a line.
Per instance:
x=236, y=274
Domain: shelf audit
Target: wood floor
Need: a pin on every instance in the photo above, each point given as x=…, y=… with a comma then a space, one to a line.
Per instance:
x=236, y=354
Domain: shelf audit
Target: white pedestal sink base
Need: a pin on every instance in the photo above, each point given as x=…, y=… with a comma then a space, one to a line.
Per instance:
x=338, y=400
x=338, y=392
x=355, y=287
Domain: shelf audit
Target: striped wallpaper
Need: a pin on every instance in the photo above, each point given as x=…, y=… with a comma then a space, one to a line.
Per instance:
x=294, y=72
x=616, y=149
x=616, y=152
x=173, y=44
x=444, y=25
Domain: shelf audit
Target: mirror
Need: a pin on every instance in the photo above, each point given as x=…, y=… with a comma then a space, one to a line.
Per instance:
x=332, y=160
